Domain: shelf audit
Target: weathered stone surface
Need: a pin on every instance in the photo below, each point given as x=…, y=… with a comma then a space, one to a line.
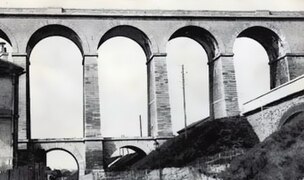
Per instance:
x=159, y=118
x=21, y=60
x=110, y=145
x=266, y=119
x=152, y=30
x=91, y=97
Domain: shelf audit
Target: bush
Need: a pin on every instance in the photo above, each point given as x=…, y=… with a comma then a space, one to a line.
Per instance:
x=280, y=156
x=208, y=138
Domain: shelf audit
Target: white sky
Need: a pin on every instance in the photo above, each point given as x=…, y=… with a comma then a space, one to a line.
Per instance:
x=161, y=4
x=123, y=72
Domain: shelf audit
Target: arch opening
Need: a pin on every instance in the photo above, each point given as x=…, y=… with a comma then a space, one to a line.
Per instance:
x=61, y=164
x=292, y=114
x=293, y=117
x=56, y=89
x=275, y=48
x=129, y=32
x=202, y=36
x=123, y=87
x=251, y=69
x=53, y=30
x=193, y=47
x=125, y=157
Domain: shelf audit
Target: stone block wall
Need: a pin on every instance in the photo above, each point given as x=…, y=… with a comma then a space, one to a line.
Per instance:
x=295, y=66
x=266, y=119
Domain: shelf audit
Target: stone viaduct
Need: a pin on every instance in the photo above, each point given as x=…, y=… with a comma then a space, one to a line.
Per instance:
x=280, y=33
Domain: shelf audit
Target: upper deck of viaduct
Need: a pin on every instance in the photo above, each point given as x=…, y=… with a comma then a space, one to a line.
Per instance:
x=152, y=29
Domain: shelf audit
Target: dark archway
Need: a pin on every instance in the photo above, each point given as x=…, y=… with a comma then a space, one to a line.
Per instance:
x=125, y=161
x=292, y=113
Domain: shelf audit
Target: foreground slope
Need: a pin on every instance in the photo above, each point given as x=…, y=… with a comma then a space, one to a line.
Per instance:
x=207, y=138
x=280, y=156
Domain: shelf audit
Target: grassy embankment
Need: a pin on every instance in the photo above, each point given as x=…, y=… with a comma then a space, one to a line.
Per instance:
x=206, y=139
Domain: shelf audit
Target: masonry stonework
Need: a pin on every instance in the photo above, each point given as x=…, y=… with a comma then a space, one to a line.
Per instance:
x=21, y=60
x=266, y=119
x=91, y=97
x=159, y=103
x=92, y=132
x=278, y=32
x=295, y=65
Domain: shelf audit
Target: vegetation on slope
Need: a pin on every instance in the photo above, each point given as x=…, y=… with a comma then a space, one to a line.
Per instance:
x=280, y=156
x=208, y=138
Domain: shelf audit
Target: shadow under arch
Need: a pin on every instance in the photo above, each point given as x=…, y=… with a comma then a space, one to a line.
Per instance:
x=126, y=160
x=4, y=36
x=291, y=113
x=275, y=48
x=136, y=149
x=53, y=30
x=130, y=32
x=74, y=157
x=200, y=35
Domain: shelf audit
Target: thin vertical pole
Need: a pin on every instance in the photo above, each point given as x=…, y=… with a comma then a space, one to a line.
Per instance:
x=140, y=125
x=184, y=100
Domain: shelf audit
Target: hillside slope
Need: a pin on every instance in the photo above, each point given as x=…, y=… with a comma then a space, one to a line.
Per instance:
x=208, y=138
x=280, y=156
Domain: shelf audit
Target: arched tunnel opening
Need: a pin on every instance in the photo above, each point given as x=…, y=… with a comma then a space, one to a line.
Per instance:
x=124, y=158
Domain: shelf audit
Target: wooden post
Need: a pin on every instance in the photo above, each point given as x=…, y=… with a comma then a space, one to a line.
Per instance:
x=140, y=125
x=184, y=101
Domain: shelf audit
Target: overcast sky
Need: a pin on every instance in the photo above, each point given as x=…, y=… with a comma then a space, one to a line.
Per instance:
x=123, y=73
x=161, y=4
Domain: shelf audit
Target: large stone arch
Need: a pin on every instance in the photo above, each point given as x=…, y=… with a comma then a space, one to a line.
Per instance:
x=111, y=146
x=219, y=98
x=290, y=114
x=200, y=35
x=130, y=32
x=276, y=48
x=142, y=39
x=77, y=150
x=61, y=149
x=134, y=148
x=53, y=30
